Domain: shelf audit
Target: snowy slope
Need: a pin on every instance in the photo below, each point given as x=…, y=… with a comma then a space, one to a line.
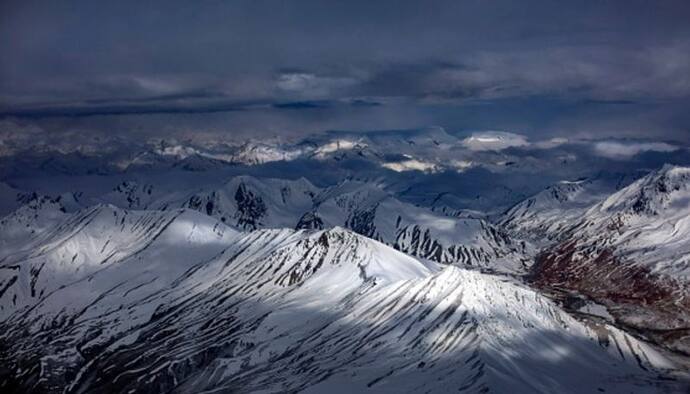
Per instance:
x=130, y=195
x=33, y=219
x=369, y=210
x=546, y=216
x=631, y=253
x=249, y=203
x=652, y=217
x=195, y=306
x=255, y=153
x=61, y=248
x=548, y=213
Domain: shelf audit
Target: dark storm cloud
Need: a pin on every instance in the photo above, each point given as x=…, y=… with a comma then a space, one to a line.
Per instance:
x=616, y=67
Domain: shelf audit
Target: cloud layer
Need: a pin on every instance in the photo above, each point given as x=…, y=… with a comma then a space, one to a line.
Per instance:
x=617, y=69
x=625, y=150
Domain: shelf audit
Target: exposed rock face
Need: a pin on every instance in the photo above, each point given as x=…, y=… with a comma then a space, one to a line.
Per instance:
x=309, y=221
x=250, y=208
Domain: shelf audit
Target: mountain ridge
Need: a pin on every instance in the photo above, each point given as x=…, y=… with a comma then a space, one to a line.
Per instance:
x=310, y=307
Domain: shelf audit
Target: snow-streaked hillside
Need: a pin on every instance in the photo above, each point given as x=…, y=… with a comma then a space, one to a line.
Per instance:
x=550, y=212
x=249, y=203
x=63, y=248
x=631, y=252
x=545, y=217
x=369, y=210
x=177, y=301
x=254, y=153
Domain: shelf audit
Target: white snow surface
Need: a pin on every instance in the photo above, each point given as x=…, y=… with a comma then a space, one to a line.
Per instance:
x=250, y=203
x=652, y=222
x=108, y=299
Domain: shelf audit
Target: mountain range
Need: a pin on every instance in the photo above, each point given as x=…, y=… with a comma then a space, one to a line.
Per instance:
x=210, y=273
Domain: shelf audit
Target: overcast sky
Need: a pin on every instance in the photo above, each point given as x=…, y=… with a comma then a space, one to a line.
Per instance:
x=264, y=68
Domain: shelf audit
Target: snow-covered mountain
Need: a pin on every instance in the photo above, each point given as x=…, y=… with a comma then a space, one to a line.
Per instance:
x=249, y=203
x=550, y=212
x=196, y=269
x=254, y=153
x=130, y=195
x=532, y=213
x=631, y=252
x=546, y=216
x=112, y=300
x=370, y=211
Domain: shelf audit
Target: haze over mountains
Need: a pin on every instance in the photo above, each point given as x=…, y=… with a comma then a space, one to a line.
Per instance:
x=201, y=269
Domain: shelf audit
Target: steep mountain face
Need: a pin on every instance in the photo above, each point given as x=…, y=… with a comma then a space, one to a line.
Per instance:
x=130, y=195
x=34, y=219
x=631, y=253
x=68, y=247
x=545, y=217
x=547, y=214
x=191, y=305
x=370, y=211
x=249, y=203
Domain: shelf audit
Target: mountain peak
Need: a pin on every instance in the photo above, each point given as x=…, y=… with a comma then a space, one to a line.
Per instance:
x=654, y=193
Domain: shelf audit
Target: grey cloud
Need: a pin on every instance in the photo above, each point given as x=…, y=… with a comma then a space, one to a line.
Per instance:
x=545, y=68
x=311, y=85
x=626, y=149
